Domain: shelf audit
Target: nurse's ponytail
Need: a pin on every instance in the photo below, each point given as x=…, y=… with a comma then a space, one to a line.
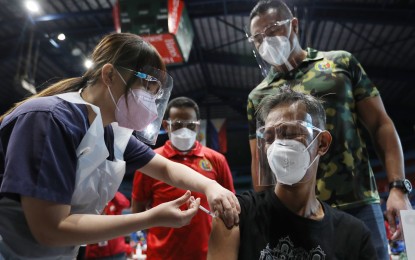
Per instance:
x=63, y=86
x=119, y=49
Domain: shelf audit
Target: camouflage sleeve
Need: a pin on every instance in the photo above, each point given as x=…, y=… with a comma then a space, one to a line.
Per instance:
x=251, y=119
x=363, y=87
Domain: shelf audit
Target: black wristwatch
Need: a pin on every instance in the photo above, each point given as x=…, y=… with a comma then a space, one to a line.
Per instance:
x=405, y=185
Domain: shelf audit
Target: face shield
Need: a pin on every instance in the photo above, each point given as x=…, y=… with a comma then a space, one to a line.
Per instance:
x=263, y=65
x=283, y=151
x=272, y=46
x=159, y=85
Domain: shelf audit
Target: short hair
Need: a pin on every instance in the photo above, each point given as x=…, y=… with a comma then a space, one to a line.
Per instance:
x=264, y=5
x=314, y=106
x=182, y=102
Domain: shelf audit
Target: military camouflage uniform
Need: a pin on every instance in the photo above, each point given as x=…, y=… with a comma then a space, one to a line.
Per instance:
x=345, y=177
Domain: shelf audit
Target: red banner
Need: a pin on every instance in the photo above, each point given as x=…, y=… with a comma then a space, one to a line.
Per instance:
x=166, y=45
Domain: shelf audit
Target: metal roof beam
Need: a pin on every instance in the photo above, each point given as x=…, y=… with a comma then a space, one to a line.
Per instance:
x=367, y=13
x=360, y=13
x=62, y=16
x=215, y=8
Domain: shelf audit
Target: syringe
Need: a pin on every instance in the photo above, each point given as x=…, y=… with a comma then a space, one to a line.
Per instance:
x=207, y=211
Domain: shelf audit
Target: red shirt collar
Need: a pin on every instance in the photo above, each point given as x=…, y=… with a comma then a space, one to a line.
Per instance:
x=169, y=150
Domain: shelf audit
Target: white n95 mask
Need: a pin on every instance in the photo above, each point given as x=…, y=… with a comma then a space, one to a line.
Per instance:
x=183, y=139
x=289, y=160
x=275, y=50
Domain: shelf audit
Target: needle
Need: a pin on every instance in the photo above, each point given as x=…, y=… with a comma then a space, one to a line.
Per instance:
x=207, y=211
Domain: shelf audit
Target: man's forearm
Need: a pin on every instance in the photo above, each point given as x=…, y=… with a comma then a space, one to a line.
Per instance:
x=389, y=149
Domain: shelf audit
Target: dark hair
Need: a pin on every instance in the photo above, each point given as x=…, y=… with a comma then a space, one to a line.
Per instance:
x=182, y=102
x=264, y=5
x=313, y=106
x=119, y=49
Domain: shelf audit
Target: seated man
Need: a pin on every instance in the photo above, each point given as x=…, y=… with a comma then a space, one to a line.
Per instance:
x=288, y=221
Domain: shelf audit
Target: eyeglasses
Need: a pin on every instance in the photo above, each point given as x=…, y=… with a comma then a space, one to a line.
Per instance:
x=288, y=130
x=149, y=83
x=276, y=29
x=178, y=124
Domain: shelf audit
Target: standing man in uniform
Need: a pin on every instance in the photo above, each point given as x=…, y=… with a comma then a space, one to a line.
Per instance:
x=345, y=178
x=181, y=121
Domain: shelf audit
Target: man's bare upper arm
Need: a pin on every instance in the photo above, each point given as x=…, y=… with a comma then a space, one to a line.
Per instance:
x=223, y=242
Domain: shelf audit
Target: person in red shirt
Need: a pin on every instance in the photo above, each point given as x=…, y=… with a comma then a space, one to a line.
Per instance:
x=115, y=248
x=181, y=121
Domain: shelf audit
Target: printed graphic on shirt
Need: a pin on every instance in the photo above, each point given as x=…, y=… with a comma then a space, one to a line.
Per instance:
x=285, y=249
x=325, y=65
x=205, y=165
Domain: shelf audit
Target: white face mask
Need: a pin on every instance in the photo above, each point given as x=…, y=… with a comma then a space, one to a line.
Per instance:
x=289, y=160
x=275, y=50
x=183, y=139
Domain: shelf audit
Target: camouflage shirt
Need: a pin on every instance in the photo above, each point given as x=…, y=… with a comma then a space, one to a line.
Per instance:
x=345, y=178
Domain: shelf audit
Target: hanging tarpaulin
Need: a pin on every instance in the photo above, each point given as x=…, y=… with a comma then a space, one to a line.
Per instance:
x=217, y=134
x=212, y=133
x=201, y=137
x=165, y=24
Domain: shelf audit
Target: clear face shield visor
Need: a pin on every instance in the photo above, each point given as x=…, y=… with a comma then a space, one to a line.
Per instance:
x=283, y=151
x=279, y=28
x=159, y=84
x=178, y=124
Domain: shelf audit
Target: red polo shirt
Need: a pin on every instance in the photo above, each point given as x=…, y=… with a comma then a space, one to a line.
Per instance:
x=191, y=241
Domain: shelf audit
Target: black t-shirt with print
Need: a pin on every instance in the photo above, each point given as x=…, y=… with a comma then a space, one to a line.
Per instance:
x=268, y=230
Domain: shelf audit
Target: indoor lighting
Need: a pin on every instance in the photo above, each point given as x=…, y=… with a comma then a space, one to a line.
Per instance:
x=61, y=37
x=54, y=43
x=88, y=63
x=32, y=6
